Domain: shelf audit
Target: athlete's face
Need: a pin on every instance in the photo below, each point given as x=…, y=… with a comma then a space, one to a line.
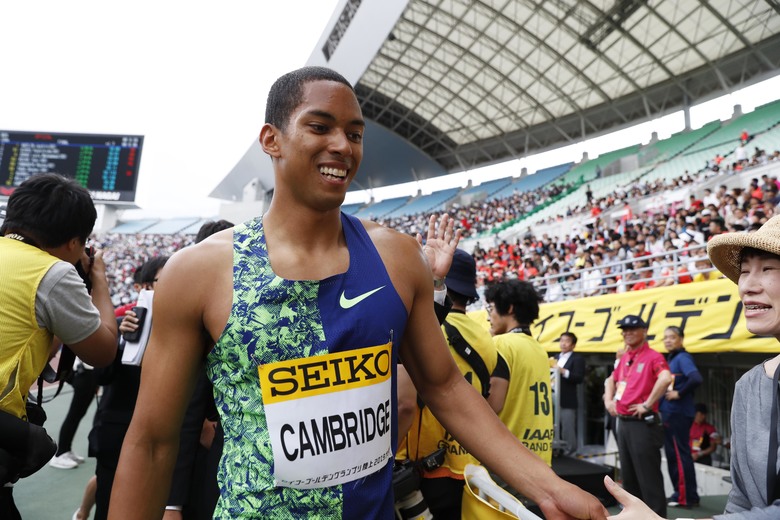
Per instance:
x=319, y=152
x=759, y=290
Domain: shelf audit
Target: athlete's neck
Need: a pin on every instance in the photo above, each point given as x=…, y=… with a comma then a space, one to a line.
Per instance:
x=301, y=247
x=314, y=230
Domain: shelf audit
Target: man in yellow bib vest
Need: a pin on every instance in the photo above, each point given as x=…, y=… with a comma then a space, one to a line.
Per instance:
x=45, y=303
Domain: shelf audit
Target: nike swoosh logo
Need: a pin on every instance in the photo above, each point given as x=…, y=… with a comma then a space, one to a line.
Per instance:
x=347, y=303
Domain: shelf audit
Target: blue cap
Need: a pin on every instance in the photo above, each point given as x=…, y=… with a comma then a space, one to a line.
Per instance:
x=631, y=322
x=462, y=276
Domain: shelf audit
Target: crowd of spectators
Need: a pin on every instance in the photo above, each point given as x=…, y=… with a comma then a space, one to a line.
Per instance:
x=484, y=215
x=123, y=254
x=657, y=248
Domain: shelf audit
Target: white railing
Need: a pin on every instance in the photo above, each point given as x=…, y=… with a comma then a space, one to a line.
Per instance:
x=627, y=275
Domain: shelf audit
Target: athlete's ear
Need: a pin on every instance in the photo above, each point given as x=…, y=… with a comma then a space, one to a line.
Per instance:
x=269, y=140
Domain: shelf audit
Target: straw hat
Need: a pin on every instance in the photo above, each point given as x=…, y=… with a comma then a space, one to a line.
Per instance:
x=725, y=250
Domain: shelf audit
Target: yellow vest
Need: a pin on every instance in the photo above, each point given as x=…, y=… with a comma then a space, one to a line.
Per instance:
x=432, y=434
x=24, y=346
x=527, y=409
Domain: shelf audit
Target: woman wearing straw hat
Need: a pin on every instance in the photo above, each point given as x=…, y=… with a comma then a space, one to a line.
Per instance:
x=752, y=261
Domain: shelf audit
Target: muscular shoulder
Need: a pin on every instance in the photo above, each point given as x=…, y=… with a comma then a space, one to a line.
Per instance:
x=196, y=268
x=396, y=249
x=403, y=259
x=384, y=238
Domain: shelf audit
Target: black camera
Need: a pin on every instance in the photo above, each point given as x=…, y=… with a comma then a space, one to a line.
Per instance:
x=407, y=475
x=409, y=502
x=433, y=461
x=80, y=268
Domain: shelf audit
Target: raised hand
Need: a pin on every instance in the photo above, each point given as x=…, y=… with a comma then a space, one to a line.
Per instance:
x=440, y=244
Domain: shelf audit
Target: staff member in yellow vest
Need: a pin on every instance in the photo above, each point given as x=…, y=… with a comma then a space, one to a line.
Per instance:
x=520, y=390
x=472, y=348
x=45, y=302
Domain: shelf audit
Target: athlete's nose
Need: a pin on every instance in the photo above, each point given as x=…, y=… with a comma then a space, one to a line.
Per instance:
x=341, y=144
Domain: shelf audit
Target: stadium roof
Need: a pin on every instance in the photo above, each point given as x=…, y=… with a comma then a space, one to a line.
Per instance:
x=468, y=83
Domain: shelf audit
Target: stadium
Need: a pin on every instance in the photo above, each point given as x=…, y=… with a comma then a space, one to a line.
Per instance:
x=454, y=86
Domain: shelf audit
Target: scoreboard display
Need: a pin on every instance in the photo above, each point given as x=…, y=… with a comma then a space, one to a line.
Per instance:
x=107, y=165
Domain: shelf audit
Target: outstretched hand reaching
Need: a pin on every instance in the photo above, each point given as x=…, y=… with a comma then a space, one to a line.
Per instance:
x=633, y=508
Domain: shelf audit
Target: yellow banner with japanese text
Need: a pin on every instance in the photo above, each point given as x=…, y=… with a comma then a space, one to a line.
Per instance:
x=710, y=314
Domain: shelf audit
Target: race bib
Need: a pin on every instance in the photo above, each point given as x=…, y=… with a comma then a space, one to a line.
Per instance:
x=329, y=416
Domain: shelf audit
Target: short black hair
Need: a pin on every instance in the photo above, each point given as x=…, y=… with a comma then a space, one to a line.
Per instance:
x=571, y=336
x=150, y=268
x=49, y=210
x=458, y=299
x=138, y=274
x=750, y=252
x=286, y=94
x=518, y=294
x=211, y=227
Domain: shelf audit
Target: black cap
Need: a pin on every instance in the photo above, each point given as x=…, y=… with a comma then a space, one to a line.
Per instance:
x=631, y=322
x=462, y=276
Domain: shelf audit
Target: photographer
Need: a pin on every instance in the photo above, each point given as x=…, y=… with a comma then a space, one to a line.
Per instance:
x=45, y=303
x=475, y=355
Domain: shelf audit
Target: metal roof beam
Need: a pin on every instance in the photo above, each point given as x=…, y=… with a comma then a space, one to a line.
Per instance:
x=741, y=37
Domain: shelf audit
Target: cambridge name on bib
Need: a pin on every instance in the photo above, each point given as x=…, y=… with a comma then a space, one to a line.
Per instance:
x=329, y=416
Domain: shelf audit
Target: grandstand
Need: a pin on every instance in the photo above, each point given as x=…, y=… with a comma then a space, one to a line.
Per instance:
x=382, y=208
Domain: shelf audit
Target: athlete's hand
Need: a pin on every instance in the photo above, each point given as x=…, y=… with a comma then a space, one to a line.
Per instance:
x=633, y=508
x=440, y=245
x=569, y=501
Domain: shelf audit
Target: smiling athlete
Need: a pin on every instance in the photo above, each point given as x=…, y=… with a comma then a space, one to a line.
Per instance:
x=301, y=315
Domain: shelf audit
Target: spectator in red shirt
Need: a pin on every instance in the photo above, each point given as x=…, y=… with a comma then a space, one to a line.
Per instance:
x=704, y=437
x=137, y=286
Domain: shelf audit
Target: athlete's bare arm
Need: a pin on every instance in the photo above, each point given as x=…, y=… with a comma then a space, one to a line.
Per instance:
x=191, y=304
x=457, y=405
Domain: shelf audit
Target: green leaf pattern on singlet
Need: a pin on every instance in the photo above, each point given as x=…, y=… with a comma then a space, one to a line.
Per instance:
x=272, y=319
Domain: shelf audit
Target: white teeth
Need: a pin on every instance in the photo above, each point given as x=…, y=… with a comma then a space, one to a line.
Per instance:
x=333, y=172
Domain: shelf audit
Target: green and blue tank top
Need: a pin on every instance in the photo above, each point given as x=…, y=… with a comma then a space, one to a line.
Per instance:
x=304, y=381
